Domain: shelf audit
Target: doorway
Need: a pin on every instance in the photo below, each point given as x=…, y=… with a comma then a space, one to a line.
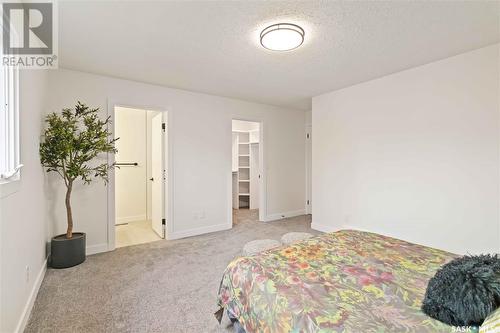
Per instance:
x=246, y=171
x=309, y=169
x=139, y=182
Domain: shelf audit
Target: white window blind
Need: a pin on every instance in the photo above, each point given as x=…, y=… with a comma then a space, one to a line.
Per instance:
x=9, y=124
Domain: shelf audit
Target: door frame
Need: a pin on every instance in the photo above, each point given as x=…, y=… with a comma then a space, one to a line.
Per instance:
x=262, y=167
x=308, y=203
x=168, y=203
x=162, y=170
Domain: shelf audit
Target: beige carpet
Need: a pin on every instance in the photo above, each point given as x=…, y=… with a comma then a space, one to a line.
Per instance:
x=164, y=286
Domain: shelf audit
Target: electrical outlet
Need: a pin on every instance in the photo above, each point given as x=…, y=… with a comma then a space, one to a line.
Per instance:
x=27, y=273
x=202, y=215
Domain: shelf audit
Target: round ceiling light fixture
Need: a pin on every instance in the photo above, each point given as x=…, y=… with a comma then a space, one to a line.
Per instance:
x=282, y=37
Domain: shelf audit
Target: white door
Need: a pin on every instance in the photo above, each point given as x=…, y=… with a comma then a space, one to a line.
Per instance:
x=309, y=169
x=254, y=176
x=156, y=175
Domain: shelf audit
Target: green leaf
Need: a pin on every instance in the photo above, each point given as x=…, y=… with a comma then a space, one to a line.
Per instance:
x=73, y=140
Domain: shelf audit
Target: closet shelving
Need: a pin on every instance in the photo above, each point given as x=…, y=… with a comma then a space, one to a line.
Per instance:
x=245, y=169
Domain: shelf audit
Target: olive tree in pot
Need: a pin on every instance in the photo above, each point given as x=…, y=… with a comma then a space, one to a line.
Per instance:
x=72, y=141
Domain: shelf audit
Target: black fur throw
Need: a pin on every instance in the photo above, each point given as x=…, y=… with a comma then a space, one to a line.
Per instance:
x=464, y=291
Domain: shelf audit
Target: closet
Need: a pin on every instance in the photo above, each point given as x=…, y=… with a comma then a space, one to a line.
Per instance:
x=246, y=166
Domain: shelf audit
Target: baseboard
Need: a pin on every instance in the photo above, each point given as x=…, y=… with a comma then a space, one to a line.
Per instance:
x=128, y=219
x=284, y=215
x=21, y=325
x=198, y=231
x=324, y=228
x=98, y=248
x=351, y=227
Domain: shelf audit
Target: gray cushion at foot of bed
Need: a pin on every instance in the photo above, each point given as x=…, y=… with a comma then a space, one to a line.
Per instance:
x=256, y=246
x=293, y=237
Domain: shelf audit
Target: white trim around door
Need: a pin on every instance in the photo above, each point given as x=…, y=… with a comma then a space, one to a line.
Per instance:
x=262, y=173
x=168, y=201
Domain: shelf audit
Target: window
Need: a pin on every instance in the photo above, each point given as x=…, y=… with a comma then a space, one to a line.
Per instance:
x=9, y=125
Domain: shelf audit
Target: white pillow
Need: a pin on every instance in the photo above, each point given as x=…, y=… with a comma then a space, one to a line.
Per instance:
x=492, y=323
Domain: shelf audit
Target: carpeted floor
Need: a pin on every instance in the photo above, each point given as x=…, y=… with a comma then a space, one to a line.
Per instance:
x=164, y=286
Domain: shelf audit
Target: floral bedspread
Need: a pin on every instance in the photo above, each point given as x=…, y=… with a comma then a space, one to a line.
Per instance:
x=347, y=281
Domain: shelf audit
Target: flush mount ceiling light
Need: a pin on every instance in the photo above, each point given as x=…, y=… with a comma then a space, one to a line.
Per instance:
x=282, y=37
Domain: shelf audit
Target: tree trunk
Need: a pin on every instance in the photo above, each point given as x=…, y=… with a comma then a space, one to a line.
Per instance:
x=69, y=214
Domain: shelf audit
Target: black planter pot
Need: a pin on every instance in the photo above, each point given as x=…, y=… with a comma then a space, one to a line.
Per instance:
x=65, y=252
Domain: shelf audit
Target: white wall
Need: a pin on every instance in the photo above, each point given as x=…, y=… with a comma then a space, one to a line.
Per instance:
x=23, y=225
x=201, y=133
x=245, y=126
x=414, y=155
x=308, y=118
x=131, y=181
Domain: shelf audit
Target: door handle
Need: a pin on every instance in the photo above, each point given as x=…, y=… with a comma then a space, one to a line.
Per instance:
x=151, y=179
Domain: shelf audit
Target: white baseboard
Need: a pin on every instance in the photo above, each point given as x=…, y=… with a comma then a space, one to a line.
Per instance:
x=198, y=231
x=21, y=325
x=351, y=227
x=328, y=228
x=284, y=215
x=128, y=219
x=98, y=248
x=324, y=228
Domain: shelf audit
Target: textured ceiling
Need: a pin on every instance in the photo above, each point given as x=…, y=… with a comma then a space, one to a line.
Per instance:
x=213, y=46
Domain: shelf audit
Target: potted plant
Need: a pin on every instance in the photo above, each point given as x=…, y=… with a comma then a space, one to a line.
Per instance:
x=71, y=142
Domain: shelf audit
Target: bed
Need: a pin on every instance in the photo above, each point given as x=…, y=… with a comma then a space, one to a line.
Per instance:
x=346, y=281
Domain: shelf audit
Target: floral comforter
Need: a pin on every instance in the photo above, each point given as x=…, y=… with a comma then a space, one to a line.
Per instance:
x=347, y=281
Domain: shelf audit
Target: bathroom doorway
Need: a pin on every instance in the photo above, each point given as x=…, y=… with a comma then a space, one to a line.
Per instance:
x=140, y=176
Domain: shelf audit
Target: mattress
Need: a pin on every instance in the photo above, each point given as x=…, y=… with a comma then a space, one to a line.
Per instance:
x=346, y=281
